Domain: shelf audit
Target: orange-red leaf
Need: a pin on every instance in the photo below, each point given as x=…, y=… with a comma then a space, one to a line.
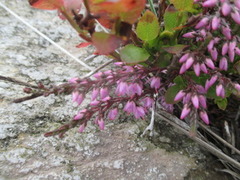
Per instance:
x=125, y=10
x=46, y=4
x=83, y=44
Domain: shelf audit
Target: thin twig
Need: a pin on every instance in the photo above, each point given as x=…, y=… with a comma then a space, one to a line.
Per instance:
x=35, y=95
x=220, y=139
x=204, y=144
x=17, y=82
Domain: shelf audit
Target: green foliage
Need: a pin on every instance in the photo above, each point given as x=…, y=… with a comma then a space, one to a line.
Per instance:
x=148, y=26
x=132, y=54
x=221, y=103
x=183, y=5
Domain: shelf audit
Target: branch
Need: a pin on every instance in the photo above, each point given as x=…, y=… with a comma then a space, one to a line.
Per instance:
x=17, y=82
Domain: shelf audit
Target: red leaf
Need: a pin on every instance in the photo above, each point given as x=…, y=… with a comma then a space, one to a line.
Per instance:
x=83, y=44
x=46, y=4
x=105, y=43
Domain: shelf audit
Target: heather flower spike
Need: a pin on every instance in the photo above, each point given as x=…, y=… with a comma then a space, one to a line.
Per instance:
x=76, y=97
x=223, y=64
x=189, y=62
x=155, y=82
x=225, y=48
x=179, y=96
x=196, y=68
x=202, y=23
x=215, y=23
x=210, y=3
x=184, y=58
x=195, y=101
x=220, y=90
x=209, y=63
x=226, y=9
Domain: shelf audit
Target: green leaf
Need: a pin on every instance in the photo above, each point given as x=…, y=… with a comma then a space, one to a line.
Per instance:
x=221, y=103
x=183, y=5
x=105, y=43
x=133, y=55
x=148, y=26
x=177, y=49
x=173, y=18
x=180, y=82
x=237, y=67
x=171, y=93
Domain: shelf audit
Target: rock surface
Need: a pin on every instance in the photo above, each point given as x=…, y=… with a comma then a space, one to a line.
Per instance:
x=116, y=153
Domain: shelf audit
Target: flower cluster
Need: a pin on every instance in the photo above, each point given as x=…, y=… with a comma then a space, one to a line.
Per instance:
x=213, y=58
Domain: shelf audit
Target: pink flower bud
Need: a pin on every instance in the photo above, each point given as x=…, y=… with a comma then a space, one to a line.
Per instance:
x=76, y=97
x=98, y=75
x=186, y=110
x=130, y=107
x=226, y=9
x=200, y=89
x=94, y=94
x=80, y=114
x=121, y=88
x=210, y=82
x=223, y=64
x=81, y=128
x=113, y=114
x=202, y=101
x=215, y=22
x=236, y=17
x=189, y=35
x=187, y=98
x=179, y=95
x=210, y=45
x=101, y=124
x=104, y=93
x=225, y=48
x=226, y=31
x=94, y=103
x=237, y=4
x=214, y=54
x=196, y=68
x=237, y=51
x=209, y=63
x=231, y=52
x=183, y=69
x=237, y=86
x=209, y=3
x=134, y=88
x=220, y=90
x=203, y=22
x=147, y=102
x=139, y=112
x=155, y=82
x=203, y=115
x=195, y=101
x=189, y=62
x=203, y=68
x=184, y=58
x=74, y=80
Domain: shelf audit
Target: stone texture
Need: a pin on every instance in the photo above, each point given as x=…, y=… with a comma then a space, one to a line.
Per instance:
x=116, y=153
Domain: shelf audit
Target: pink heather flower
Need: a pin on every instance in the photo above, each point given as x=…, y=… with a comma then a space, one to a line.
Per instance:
x=182, y=69
x=215, y=22
x=226, y=9
x=184, y=58
x=231, y=52
x=189, y=34
x=223, y=64
x=94, y=94
x=236, y=17
x=119, y=64
x=237, y=4
x=101, y=124
x=200, y=89
x=202, y=101
x=225, y=48
x=94, y=103
x=130, y=107
x=210, y=45
x=203, y=115
x=73, y=80
x=147, y=102
x=186, y=110
x=220, y=90
x=214, y=54
x=203, y=68
x=202, y=23
x=196, y=68
x=128, y=68
x=237, y=86
x=155, y=82
x=210, y=82
x=187, y=98
x=226, y=31
x=106, y=99
x=76, y=97
x=113, y=114
x=134, y=88
x=237, y=51
x=98, y=75
x=195, y=101
x=209, y=63
x=179, y=96
x=81, y=128
x=210, y=3
x=80, y=114
x=121, y=88
x=139, y=112
x=231, y=55
x=104, y=93
x=189, y=62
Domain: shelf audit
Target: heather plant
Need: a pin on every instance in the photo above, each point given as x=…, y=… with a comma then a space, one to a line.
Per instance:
x=181, y=56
